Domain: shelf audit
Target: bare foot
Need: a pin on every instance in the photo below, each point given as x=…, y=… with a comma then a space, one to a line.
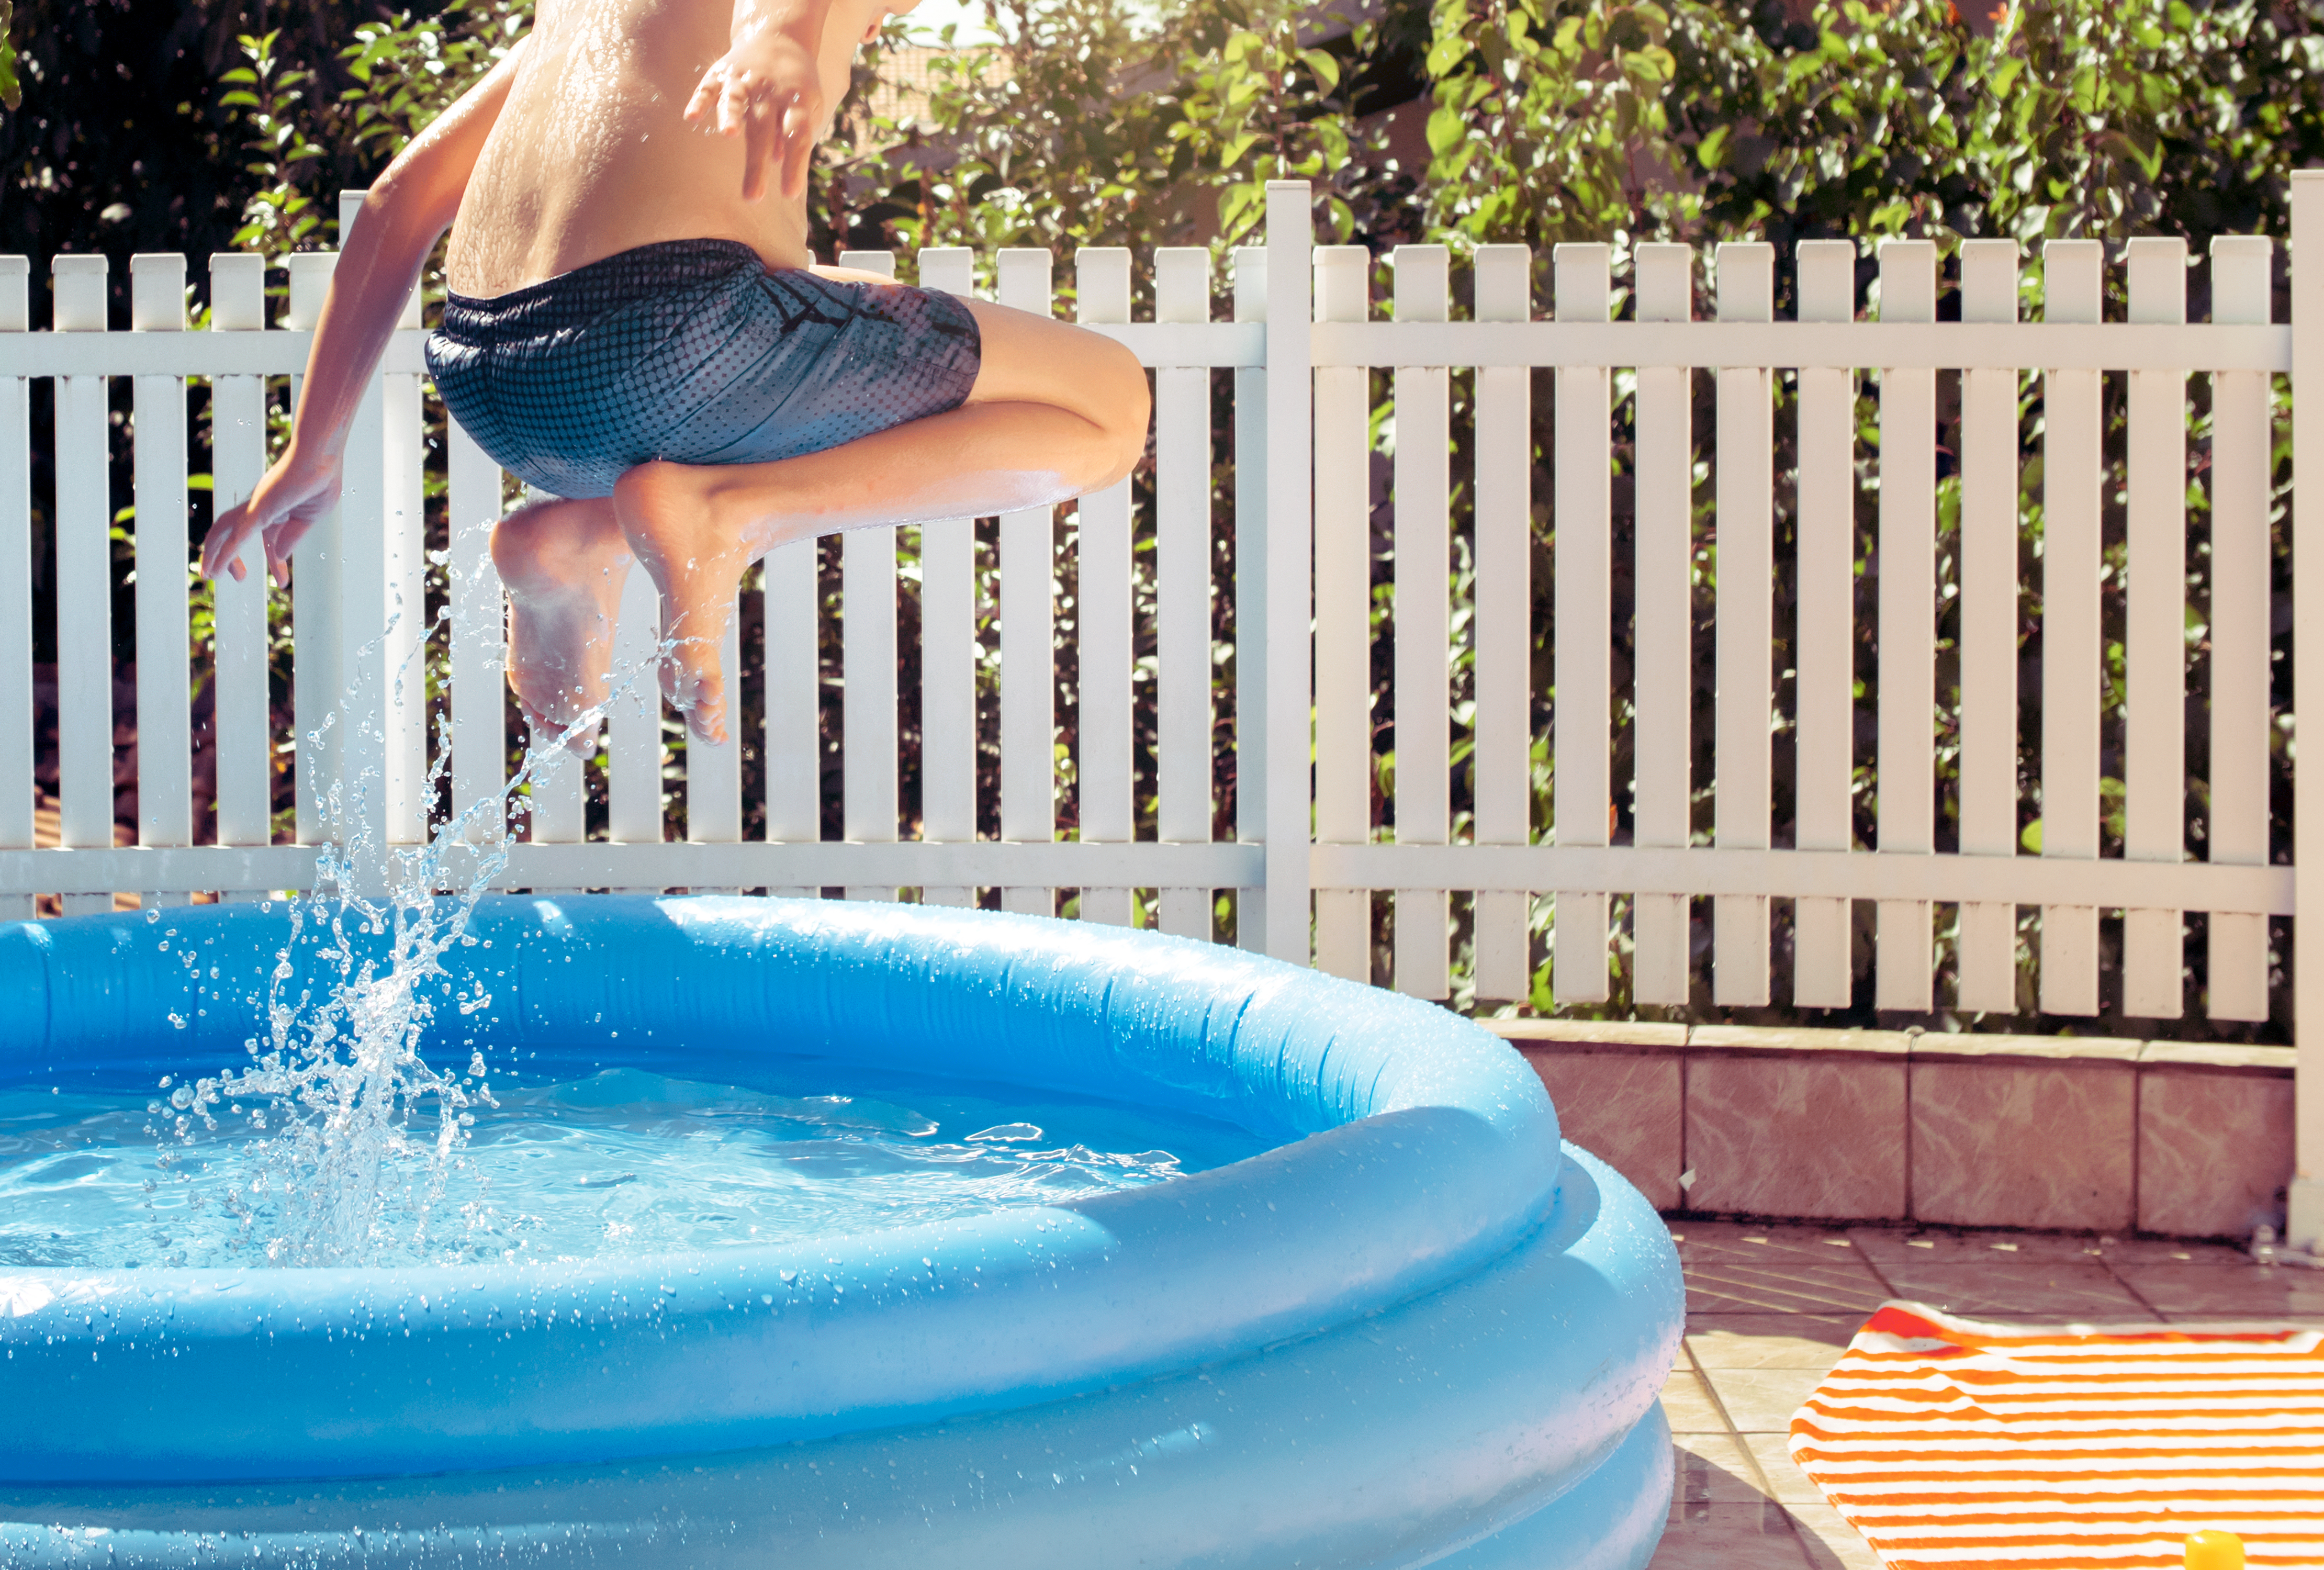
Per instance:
x=563, y=564
x=695, y=558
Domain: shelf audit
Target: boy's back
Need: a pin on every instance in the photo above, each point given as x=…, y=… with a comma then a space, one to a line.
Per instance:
x=591, y=156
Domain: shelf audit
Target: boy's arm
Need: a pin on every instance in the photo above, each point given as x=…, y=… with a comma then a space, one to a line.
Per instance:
x=404, y=214
x=766, y=88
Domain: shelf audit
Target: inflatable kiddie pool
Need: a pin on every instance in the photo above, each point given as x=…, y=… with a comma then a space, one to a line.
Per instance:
x=1418, y=1329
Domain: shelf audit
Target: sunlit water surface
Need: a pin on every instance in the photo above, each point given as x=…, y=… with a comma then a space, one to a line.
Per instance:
x=622, y=1162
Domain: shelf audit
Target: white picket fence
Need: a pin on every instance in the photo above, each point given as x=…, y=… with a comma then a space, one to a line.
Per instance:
x=1305, y=860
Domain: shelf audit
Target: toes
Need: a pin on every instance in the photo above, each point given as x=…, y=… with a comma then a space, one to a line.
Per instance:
x=583, y=743
x=707, y=717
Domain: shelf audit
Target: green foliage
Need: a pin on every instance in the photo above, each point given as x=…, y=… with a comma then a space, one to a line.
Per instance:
x=1089, y=125
x=1549, y=120
x=1556, y=119
x=303, y=146
x=2076, y=118
x=11, y=91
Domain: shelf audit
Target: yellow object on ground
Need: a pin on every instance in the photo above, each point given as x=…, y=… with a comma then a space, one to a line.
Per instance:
x=2214, y=1550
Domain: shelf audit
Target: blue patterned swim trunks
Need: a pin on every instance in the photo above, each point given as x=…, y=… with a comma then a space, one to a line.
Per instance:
x=693, y=351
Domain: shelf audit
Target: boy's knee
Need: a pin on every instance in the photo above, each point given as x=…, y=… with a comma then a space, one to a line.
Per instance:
x=1128, y=411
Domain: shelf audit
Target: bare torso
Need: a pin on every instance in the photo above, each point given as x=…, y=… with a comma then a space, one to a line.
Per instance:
x=591, y=155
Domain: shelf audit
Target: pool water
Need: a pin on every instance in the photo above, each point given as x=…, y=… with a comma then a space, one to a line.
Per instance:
x=620, y=1162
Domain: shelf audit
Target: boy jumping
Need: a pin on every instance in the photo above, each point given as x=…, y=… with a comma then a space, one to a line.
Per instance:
x=633, y=328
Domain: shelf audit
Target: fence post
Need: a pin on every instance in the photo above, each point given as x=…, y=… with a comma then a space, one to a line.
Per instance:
x=1251, y=596
x=2306, y=1221
x=1284, y=718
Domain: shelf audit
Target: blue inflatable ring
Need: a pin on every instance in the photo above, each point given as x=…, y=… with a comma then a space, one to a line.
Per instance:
x=1419, y=1263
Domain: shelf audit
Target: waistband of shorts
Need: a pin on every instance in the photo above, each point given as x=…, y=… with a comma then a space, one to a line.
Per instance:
x=574, y=298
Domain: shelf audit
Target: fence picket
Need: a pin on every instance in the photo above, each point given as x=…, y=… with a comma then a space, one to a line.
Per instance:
x=1251, y=400
x=1825, y=755
x=1104, y=620
x=19, y=796
x=2154, y=741
x=1663, y=630
x=867, y=630
x=84, y=581
x=1288, y=657
x=1028, y=727
x=1745, y=636
x=370, y=654
x=165, y=798
x=633, y=811
x=1182, y=588
x=1504, y=622
x=479, y=625
x=713, y=775
x=240, y=699
x=314, y=595
x=948, y=651
x=407, y=628
x=2073, y=463
x=403, y=803
x=1907, y=812
x=2236, y=826
x=1582, y=517
x=1989, y=629
x=1343, y=685
x=1424, y=637
x=794, y=725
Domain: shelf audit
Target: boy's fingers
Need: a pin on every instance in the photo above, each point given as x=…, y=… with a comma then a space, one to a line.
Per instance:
x=706, y=93
x=224, y=544
x=761, y=142
x=734, y=102
x=799, y=146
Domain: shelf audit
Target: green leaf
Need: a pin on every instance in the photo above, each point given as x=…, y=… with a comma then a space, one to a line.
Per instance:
x=1712, y=153
x=12, y=92
x=1326, y=69
x=1448, y=51
x=1446, y=130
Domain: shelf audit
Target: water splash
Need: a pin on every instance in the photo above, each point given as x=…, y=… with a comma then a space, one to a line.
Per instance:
x=359, y=1137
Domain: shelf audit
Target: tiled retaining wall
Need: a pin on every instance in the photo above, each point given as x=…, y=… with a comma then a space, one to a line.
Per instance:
x=2071, y=1133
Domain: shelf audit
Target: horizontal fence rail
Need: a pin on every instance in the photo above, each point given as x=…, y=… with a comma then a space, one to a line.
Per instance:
x=1545, y=625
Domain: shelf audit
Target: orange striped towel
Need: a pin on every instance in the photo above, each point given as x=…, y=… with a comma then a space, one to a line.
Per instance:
x=1949, y=1442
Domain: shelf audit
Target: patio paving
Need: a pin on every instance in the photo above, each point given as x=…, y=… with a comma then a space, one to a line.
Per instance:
x=1770, y=1309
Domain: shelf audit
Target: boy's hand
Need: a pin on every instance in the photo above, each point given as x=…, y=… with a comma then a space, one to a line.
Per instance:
x=295, y=493
x=766, y=90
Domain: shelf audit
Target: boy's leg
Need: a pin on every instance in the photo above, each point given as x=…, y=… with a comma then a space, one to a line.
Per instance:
x=563, y=564
x=1055, y=412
